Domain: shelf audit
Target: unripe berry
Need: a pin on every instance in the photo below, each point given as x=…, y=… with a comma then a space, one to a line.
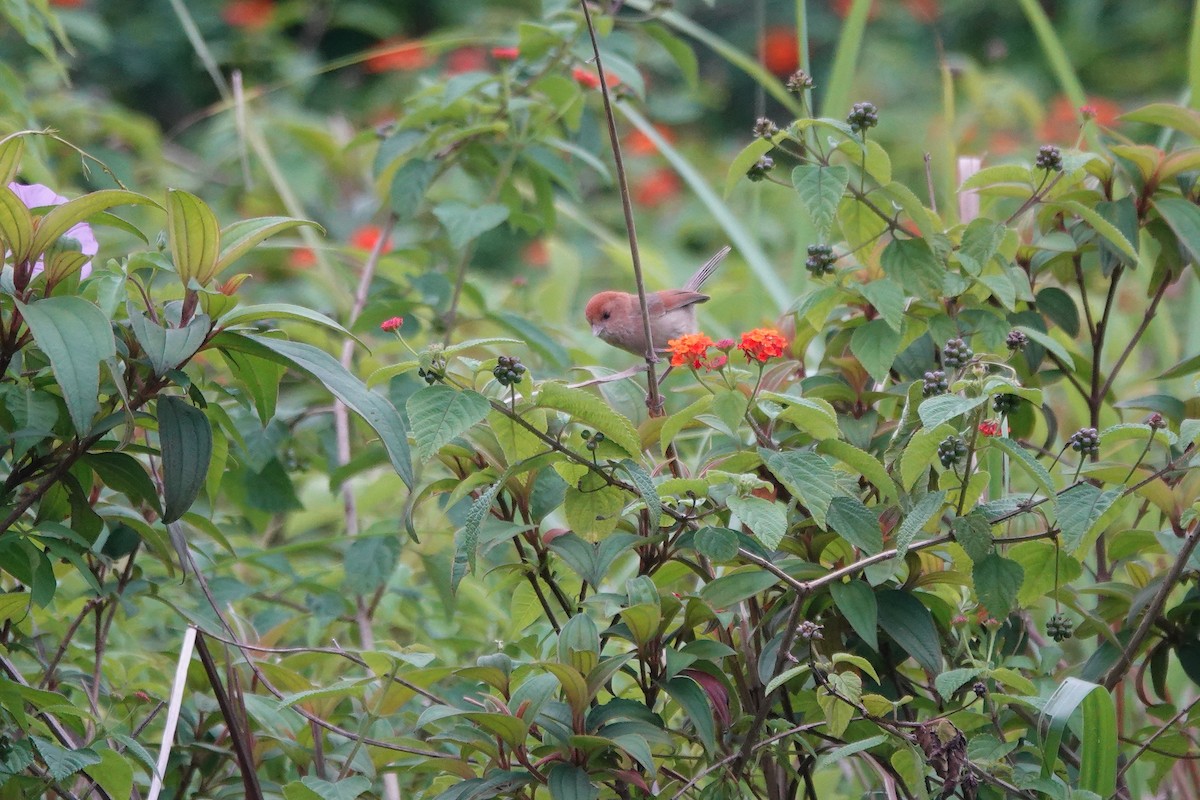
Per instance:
x=956, y=353
x=1049, y=158
x=935, y=383
x=862, y=116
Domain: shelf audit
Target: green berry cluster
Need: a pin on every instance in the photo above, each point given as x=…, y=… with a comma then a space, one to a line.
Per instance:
x=862, y=116
x=820, y=260
x=1005, y=403
x=592, y=440
x=760, y=168
x=935, y=383
x=1049, y=158
x=1060, y=627
x=1016, y=340
x=431, y=375
x=1085, y=441
x=956, y=353
x=951, y=451
x=509, y=371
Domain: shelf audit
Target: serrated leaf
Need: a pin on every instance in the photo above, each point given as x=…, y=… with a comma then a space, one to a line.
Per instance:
x=820, y=190
x=974, y=534
x=807, y=476
x=409, y=185
x=735, y=587
x=62, y=763
x=767, y=519
x=590, y=410
x=875, y=345
x=1100, y=225
x=743, y=161
x=113, y=773
x=466, y=541
x=76, y=337
x=680, y=419
x=1079, y=509
x=464, y=223
x=861, y=463
x=839, y=700
x=438, y=414
x=980, y=241
x=1044, y=569
x=370, y=561
x=856, y=523
x=914, y=265
x=997, y=582
x=814, y=416
x=925, y=510
x=593, y=508
x=888, y=299
x=645, y=487
x=920, y=452
x=935, y=410
x=185, y=439
x=718, y=544
x=1027, y=462
x=952, y=680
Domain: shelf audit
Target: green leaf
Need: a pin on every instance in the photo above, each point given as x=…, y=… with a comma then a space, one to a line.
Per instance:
x=694, y=702
x=243, y=315
x=1027, y=462
x=344, y=789
x=377, y=411
x=125, y=474
x=593, y=507
x=820, y=189
x=1051, y=344
x=185, y=439
x=1183, y=217
x=718, y=544
x=926, y=508
x=905, y=619
x=814, y=416
x=1060, y=308
x=681, y=419
x=243, y=236
x=61, y=219
x=839, y=699
x=1100, y=225
x=857, y=603
x=464, y=223
x=1167, y=115
x=1040, y=563
x=918, y=455
x=888, y=299
x=952, y=680
x=1098, y=738
x=734, y=587
x=439, y=413
x=875, y=345
x=76, y=337
x=195, y=237
x=645, y=487
x=1080, y=508
x=766, y=519
x=16, y=225
x=409, y=185
x=1001, y=174
x=466, y=542
x=997, y=581
x=980, y=241
x=807, y=476
x=569, y=782
x=743, y=161
x=839, y=754
x=940, y=408
x=11, y=149
x=974, y=534
x=113, y=773
x=861, y=463
x=370, y=561
x=856, y=523
x=914, y=265
x=60, y=763
x=590, y=410
x=168, y=348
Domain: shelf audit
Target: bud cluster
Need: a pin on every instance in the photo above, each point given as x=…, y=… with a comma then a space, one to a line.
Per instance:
x=820, y=260
x=951, y=451
x=935, y=383
x=509, y=371
x=862, y=116
x=1085, y=441
x=956, y=353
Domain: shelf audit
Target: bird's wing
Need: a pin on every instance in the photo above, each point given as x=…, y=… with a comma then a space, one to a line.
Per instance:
x=706, y=269
x=671, y=299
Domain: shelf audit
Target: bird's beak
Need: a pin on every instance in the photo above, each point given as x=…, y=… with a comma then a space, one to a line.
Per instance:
x=596, y=330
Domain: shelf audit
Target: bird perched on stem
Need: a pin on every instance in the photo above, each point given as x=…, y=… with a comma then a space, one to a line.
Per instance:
x=616, y=317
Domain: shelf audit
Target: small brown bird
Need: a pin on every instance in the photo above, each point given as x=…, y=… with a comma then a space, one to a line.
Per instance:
x=617, y=319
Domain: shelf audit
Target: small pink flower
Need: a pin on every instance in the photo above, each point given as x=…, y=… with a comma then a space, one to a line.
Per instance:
x=1088, y=111
x=506, y=53
x=716, y=362
x=392, y=324
x=725, y=345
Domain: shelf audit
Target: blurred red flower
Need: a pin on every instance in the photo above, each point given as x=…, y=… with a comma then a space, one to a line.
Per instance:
x=67, y=3
x=247, y=14
x=397, y=55
x=780, y=51
x=591, y=80
x=366, y=237
x=302, y=258
x=506, y=53
x=536, y=254
x=656, y=188
x=466, y=59
x=639, y=144
x=1062, y=120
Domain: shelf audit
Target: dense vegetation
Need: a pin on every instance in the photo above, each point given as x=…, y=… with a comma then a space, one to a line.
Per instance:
x=317, y=484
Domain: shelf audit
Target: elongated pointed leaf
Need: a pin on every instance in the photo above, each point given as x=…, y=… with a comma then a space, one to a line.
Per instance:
x=16, y=225
x=1098, y=742
x=467, y=541
x=922, y=512
x=569, y=782
x=195, y=237
x=242, y=237
x=590, y=410
x=62, y=218
x=76, y=337
x=375, y=409
x=440, y=413
x=857, y=603
x=11, y=149
x=905, y=619
x=694, y=702
x=167, y=348
x=185, y=438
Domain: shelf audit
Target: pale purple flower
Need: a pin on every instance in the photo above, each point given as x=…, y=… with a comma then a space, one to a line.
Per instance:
x=35, y=195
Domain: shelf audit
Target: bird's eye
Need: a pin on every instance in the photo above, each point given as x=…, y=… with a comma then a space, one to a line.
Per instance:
x=606, y=315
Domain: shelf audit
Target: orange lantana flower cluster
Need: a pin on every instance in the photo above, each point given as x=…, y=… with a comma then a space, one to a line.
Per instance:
x=762, y=344
x=689, y=350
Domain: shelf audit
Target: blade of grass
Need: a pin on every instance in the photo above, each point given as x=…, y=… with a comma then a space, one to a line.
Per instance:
x=741, y=238
x=836, y=100
x=1194, y=59
x=1056, y=54
x=1098, y=737
x=176, y=701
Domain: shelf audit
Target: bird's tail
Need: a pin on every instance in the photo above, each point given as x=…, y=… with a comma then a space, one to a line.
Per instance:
x=706, y=270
